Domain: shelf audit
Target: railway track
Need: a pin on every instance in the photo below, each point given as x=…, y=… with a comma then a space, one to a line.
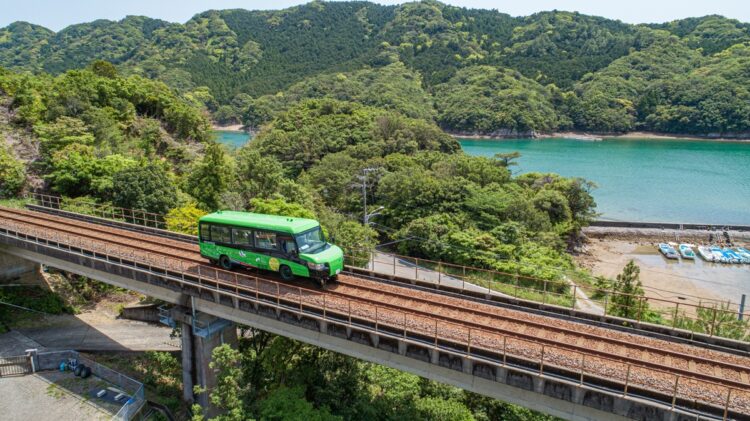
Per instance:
x=456, y=320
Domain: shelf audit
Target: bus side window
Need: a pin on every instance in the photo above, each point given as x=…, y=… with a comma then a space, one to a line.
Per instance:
x=265, y=240
x=288, y=246
x=242, y=237
x=221, y=234
x=205, y=231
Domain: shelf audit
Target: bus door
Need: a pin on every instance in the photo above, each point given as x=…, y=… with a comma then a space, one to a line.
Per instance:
x=266, y=244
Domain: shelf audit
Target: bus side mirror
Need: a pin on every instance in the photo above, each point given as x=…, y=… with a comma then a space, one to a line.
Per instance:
x=332, y=239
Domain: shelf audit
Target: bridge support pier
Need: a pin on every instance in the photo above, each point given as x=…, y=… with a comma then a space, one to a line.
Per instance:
x=15, y=270
x=201, y=334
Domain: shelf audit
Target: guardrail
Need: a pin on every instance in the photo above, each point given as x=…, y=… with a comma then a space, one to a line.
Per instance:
x=587, y=369
x=132, y=216
x=707, y=317
x=135, y=389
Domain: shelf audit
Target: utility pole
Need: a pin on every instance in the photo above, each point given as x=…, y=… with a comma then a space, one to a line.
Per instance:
x=366, y=216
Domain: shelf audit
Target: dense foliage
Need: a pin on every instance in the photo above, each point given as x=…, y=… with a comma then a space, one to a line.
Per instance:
x=12, y=174
x=274, y=378
x=351, y=99
x=485, y=71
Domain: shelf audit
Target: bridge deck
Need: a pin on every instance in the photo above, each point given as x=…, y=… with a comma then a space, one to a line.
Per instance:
x=635, y=364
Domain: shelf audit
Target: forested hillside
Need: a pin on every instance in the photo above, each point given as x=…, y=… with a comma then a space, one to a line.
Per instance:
x=96, y=135
x=477, y=71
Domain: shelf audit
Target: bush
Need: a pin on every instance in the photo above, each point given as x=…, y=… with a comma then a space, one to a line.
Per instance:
x=147, y=187
x=184, y=219
x=12, y=174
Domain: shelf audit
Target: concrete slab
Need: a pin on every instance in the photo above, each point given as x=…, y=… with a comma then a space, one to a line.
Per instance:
x=47, y=396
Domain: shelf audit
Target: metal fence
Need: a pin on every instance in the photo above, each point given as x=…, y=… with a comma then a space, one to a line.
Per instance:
x=712, y=318
x=134, y=389
x=708, y=317
x=15, y=366
x=476, y=343
x=131, y=216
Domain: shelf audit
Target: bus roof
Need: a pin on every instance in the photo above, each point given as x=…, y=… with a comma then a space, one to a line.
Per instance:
x=284, y=224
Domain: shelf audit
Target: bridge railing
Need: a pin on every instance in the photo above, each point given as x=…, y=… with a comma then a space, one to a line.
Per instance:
x=705, y=316
x=591, y=368
x=709, y=317
x=133, y=388
x=101, y=210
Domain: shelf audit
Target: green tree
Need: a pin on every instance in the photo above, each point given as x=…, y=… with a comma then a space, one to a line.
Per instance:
x=289, y=404
x=103, y=68
x=147, y=187
x=210, y=177
x=226, y=396
x=12, y=174
x=184, y=219
x=626, y=300
x=438, y=409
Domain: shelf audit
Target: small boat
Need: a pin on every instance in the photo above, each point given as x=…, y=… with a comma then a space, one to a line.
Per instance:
x=732, y=255
x=718, y=255
x=668, y=251
x=744, y=253
x=706, y=253
x=687, y=252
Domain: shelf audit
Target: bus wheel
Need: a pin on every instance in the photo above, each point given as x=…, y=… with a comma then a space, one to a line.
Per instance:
x=225, y=263
x=286, y=273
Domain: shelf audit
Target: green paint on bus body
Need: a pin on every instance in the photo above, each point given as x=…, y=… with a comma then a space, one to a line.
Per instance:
x=270, y=242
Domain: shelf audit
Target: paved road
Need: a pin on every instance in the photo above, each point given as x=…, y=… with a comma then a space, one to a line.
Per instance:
x=91, y=331
x=388, y=264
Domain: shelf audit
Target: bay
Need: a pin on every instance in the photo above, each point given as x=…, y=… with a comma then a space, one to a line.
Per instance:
x=682, y=181
x=233, y=139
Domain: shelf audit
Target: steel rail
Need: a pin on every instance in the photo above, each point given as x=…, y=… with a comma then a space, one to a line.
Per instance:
x=539, y=325
x=451, y=319
x=25, y=236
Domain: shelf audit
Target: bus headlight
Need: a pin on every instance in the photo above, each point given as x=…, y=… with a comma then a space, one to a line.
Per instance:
x=316, y=266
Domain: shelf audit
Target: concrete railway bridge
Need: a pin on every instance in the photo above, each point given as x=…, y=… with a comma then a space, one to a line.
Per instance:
x=558, y=361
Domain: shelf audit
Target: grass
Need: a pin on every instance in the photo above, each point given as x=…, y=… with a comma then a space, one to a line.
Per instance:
x=55, y=391
x=15, y=203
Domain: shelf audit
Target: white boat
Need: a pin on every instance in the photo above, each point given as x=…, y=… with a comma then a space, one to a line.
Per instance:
x=718, y=254
x=706, y=253
x=668, y=251
x=687, y=252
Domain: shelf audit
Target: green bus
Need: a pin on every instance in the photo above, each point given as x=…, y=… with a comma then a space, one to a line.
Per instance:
x=290, y=246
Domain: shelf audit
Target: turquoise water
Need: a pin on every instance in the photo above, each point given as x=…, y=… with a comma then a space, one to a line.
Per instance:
x=683, y=181
x=232, y=139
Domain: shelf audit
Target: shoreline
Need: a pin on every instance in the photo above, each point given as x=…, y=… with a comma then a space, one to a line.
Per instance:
x=688, y=281
x=238, y=128
x=591, y=137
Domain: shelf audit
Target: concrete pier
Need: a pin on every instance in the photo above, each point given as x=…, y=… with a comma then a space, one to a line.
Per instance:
x=201, y=334
x=14, y=270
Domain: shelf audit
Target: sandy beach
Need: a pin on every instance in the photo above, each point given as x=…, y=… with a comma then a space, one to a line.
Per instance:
x=228, y=128
x=685, y=281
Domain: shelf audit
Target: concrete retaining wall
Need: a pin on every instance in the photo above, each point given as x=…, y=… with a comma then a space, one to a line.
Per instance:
x=19, y=271
x=143, y=313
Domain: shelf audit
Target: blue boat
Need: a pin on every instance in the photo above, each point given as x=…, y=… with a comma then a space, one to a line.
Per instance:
x=731, y=255
x=668, y=251
x=719, y=255
x=744, y=253
x=687, y=252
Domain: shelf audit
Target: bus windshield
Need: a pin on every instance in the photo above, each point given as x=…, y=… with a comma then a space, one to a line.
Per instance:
x=311, y=241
